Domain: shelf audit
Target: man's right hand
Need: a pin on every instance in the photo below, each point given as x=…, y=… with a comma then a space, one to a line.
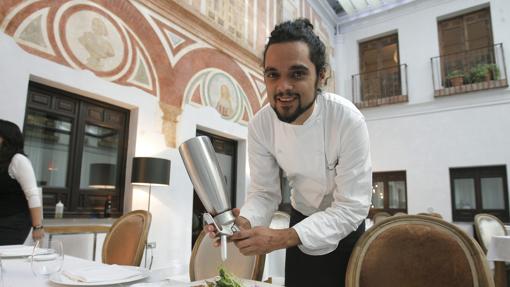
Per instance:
x=240, y=221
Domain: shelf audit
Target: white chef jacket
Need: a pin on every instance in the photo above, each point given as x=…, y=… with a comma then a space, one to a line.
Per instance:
x=328, y=166
x=20, y=169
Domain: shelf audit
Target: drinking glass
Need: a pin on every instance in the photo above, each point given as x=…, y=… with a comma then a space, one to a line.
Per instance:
x=45, y=262
x=1, y=273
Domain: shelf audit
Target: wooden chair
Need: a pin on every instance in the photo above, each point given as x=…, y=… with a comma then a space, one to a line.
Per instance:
x=417, y=251
x=486, y=226
x=379, y=216
x=274, y=269
x=125, y=242
x=206, y=260
x=434, y=214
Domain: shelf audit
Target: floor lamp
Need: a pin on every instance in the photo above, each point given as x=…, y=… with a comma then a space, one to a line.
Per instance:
x=150, y=171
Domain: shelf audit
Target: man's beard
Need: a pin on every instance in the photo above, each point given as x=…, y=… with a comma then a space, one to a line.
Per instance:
x=299, y=110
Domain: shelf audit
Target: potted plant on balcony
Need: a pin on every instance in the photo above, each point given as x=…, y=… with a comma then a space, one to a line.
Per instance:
x=456, y=78
x=484, y=73
x=479, y=73
x=494, y=71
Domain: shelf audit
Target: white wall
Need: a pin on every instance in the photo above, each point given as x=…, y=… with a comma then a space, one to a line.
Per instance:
x=171, y=206
x=428, y=135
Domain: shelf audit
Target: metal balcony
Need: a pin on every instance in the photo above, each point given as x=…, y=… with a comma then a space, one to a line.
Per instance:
x=381, y=87
x=468, y=71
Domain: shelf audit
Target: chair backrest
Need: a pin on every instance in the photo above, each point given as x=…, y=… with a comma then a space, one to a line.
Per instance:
x=434, y=214
x=275, y=261
x=206, y=261
x=417, y=251
x=126, y=240
x=487, y=226
x=380, y=216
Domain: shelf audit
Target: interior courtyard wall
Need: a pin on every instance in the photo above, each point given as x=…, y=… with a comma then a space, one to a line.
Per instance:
x=428, y=135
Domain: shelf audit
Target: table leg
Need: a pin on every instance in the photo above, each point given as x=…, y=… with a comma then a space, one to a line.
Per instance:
x=94, y=248
x=500, y=274
x=49, y=240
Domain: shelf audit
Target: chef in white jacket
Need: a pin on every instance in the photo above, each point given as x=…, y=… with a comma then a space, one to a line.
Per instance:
x=320, y=142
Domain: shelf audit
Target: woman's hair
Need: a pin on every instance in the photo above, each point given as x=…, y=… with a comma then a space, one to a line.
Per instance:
x=300, y=30
x=11, y=145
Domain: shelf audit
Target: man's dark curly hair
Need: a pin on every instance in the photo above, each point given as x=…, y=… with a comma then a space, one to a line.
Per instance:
x=300, y=30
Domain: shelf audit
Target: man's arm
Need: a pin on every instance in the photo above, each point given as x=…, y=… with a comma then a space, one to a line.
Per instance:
x=264, y=192
x=262, y=240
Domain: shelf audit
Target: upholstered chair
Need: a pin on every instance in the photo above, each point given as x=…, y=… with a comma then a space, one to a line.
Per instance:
x=486, y=226
x=417, y=251
x=379, y=216
x=206, y=261
x=434, y=214
x=274, y=268
x=125, y=242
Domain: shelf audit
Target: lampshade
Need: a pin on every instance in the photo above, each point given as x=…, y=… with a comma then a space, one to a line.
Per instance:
x=102, y=175
x=150, y=170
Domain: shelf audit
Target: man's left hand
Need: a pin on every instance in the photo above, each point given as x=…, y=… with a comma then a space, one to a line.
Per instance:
x=262, y=240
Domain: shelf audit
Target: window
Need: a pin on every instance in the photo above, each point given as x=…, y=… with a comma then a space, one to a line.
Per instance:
x=382, y=79
x=466, y=44
x=379, y=68
x=479, y=190
x=69, y=139
x=389, y=192
x=226, y=153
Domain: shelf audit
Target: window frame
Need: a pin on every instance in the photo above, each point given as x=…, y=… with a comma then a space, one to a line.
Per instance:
x=385, y=177
x=71, y=194
x=476, y=173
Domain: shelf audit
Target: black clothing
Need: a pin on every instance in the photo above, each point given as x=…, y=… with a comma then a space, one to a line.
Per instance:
x=303, y=270
x=15, y=220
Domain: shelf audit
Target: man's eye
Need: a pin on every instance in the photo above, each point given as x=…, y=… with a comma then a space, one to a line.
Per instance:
x=270, y=75
x=298, y=75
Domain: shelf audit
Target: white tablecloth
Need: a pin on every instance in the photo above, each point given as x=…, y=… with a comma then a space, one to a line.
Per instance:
x=499, y=249
x=18, y=273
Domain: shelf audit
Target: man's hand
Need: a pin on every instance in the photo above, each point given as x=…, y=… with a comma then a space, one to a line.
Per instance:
x=240, y=221
x=262, y=240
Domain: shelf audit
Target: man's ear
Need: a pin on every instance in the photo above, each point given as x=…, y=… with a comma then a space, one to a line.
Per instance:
x=322, y=74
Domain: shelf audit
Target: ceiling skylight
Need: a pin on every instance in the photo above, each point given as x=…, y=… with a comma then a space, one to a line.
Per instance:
x=354, y=6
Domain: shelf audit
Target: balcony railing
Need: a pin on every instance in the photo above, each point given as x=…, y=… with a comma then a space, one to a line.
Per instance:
x=472, y=70
x=381, y=87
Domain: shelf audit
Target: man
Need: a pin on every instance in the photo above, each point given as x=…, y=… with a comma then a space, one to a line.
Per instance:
x=320, y=142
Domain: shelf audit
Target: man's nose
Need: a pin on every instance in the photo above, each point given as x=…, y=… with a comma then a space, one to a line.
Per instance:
x=283, y=85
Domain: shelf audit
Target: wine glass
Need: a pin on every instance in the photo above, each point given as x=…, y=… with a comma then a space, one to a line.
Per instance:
x=1, y=273
x=45, y=262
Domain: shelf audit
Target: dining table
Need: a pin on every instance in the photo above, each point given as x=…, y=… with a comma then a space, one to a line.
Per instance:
x=498, y=251
x=17, y=272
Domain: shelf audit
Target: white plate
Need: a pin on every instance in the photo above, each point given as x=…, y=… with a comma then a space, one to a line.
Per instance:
x=170, y=283
x=61, y=279
x=251, y=283
x=19, y=251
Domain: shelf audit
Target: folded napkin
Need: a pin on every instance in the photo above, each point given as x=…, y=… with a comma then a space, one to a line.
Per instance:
x=102, y=273
x=19, y=250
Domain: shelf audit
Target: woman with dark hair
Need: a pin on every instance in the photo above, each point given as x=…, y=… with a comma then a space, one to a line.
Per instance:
x=20, y=200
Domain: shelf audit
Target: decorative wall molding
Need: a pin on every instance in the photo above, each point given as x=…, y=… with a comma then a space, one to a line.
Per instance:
x=170, y=120
x=205, y=29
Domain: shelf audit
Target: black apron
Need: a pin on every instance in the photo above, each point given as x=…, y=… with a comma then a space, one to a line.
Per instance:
x=325, y=270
